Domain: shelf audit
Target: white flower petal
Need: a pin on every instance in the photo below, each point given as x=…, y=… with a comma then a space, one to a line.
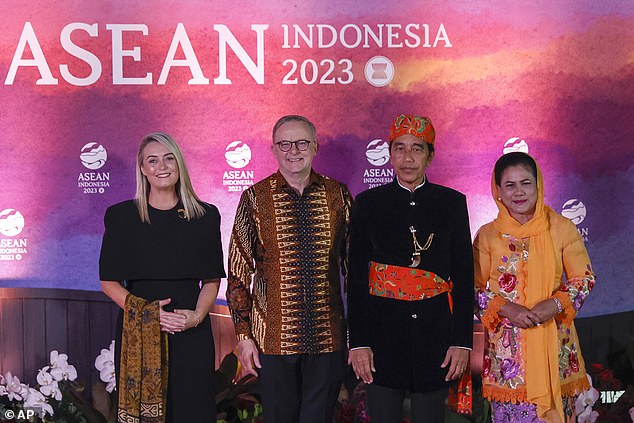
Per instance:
x=593, y=395
x=71, y=372
x=112, y=385
x=101, y=361
x=43, y=376
x=580, y=405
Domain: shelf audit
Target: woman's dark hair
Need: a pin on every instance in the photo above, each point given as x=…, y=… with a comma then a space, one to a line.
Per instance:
x=513, y=159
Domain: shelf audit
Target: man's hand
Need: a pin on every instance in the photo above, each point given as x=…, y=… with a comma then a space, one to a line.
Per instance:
x=362, y=360
x=249, y=356
x=458, y=360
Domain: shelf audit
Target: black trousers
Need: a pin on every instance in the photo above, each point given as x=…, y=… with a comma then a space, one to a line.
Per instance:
x=385, y=405
x=300, y=388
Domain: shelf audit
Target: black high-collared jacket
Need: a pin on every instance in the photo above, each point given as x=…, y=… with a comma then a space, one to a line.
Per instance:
x=410, y=338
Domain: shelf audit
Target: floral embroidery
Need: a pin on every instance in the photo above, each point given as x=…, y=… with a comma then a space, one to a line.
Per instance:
x=579, y=299
x=568, y=352
x=508, y=336
x=517, y=413
x=574, y=362
x=579, y=288
x=509, y=368
x=482, y=299
x=503, y=369
x=403, y=283
x=486, y=367
x=503, y=357
x=507, y=282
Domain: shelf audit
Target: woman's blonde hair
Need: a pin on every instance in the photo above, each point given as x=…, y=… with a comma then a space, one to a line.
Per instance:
x=184, y=189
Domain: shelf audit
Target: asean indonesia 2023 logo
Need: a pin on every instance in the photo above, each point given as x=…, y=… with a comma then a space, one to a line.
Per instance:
x=377, y=153
x=93, y=156
x=575, y=210
x=11, y=225
x=237, y=155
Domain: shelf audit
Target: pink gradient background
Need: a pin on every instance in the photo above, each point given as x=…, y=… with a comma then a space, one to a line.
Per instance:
x=560, y=75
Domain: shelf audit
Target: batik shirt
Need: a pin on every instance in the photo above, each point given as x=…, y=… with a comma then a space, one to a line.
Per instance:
x=290, y=247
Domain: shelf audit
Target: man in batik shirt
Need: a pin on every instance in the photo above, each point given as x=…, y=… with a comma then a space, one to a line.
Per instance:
x=288, y=241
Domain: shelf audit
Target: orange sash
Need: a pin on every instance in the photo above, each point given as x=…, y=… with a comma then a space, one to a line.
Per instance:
x=406, y=283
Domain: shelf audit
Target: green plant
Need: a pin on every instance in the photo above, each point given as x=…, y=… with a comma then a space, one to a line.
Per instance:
x=237, y=400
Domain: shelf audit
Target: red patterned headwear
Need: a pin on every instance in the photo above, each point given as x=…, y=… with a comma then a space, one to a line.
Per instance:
x=418, y=126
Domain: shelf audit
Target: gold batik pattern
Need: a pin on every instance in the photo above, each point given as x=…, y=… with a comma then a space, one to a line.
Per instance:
x=292, y=245
x=143, y=364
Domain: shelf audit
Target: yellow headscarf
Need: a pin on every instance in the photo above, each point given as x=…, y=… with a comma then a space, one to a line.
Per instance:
x=543, y=386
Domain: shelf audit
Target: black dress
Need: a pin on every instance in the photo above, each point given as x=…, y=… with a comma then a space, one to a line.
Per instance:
x=167, y=259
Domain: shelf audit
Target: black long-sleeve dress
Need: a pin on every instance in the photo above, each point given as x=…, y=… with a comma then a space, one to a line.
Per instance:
x=167, y=259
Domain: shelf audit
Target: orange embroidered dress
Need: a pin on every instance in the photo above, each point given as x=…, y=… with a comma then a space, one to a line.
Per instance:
x=540, y=365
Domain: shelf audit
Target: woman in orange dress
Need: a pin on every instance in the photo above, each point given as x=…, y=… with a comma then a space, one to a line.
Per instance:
x=533, y=369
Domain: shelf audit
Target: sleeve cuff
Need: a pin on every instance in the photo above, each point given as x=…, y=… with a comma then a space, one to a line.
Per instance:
x=491, y=316
x=569, y=313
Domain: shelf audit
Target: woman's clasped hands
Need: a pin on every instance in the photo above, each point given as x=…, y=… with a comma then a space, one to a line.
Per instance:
x=178, y=320
x=526, y=318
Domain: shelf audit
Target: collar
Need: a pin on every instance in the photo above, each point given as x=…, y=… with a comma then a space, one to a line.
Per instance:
x=415, y=188
x=314, y=179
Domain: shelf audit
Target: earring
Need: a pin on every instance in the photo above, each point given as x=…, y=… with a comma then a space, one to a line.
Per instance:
x=499, y=198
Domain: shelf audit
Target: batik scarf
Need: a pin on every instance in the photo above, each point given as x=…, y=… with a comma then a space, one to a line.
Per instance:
x=143, y=366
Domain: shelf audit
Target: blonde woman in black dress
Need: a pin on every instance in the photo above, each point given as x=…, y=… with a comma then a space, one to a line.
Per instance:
x=161, y=262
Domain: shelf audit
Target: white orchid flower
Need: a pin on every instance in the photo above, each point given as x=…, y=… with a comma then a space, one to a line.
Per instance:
x=586, y=398
x=44, y=377
x=35, y=399
x=14, y=389
x=48, y=385
x=112, y=385
x=67, y=372
x=58, y=360
x=3, y=387
x=52, y=390
x=60, y=369
x=105, y=364
x=587, y=416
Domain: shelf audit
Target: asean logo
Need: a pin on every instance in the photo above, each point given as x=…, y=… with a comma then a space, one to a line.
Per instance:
x=93, y=156
x=515, y=144
x=574, y=210
x=11, y=222
x=377, y=152
x=237, y=154
x=379, y=71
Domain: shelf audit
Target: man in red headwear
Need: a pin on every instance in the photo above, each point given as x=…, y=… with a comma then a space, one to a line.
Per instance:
x=410, y=297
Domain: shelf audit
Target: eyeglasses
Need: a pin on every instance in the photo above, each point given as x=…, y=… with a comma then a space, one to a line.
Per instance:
x=285, y=145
